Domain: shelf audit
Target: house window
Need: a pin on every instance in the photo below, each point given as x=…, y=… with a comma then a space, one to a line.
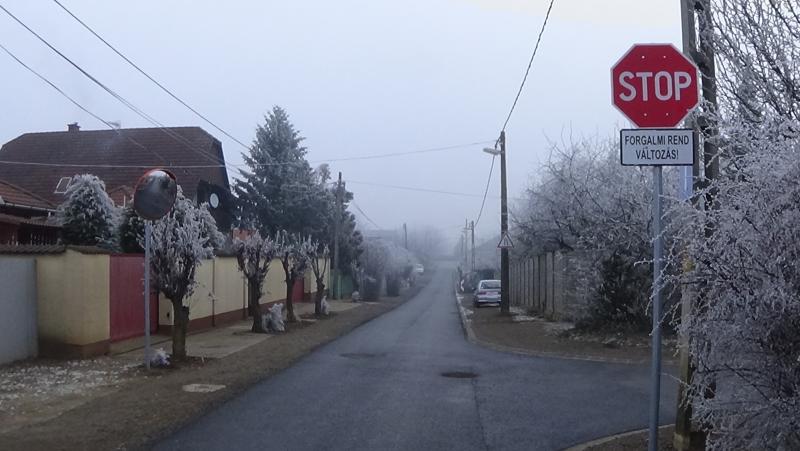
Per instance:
x=63, y=184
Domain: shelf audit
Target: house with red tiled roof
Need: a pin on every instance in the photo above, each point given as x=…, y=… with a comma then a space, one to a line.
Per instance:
x=14, y=199
x=25, y=217
x=37, y=168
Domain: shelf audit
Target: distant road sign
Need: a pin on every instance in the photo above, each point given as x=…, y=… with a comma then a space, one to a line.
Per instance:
x=505, y=242
x=656, y=147
x=655, y=85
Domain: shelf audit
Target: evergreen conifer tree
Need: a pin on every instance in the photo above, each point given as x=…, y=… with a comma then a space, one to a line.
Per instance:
x=88, y=216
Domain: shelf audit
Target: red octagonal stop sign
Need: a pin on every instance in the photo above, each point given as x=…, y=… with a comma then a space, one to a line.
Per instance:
x=654, y=85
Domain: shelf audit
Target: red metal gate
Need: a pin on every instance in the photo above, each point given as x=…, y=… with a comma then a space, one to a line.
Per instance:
x=298, y=290
x=126, y=303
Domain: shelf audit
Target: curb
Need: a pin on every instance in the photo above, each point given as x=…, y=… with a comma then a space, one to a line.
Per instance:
x=611, y=438
x=465, y=321
x=472, y=338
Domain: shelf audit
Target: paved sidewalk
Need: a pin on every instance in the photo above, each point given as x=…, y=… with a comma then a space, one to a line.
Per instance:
x=218, y=342
x=303, y=308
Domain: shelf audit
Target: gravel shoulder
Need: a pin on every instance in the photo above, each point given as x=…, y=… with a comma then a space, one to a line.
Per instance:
x=526, y=334
x=141, y=407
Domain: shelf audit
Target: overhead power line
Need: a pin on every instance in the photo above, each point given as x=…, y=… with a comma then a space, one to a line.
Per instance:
x=365, y=215
x=412, y=152
x=149, y=77
x=530, y=63
x=243, y=165
x=486, y=191
x=75, y=102
x=114, y=94
x=413, y=188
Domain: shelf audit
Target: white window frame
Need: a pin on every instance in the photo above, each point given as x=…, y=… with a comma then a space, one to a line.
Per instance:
x=69, y=181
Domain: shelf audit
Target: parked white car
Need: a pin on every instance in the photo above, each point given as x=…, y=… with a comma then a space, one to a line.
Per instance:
x=487, y=292
x=419, y=268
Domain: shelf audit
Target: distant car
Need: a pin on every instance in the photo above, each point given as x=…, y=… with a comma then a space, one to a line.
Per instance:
x=487, y=292
x=419, y=268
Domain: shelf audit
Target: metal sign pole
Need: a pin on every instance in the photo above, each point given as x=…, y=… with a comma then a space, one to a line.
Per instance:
x=147, y=233
x=658, y=249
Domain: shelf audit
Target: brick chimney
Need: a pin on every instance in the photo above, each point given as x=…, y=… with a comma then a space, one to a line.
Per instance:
x=73, y=127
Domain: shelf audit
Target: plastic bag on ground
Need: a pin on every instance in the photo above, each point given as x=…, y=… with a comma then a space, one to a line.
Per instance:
x=265, y=321
x=325, y=308
x=356, y=296
x=276, y=323
x=159, y=359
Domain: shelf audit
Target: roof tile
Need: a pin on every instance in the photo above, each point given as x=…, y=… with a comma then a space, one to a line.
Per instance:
x=141, y=147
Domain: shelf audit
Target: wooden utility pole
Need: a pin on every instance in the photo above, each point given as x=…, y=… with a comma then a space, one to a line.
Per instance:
x=461, y=247
x=472, y=229
x=505, y=304
x=337, y=294
x=465, y=252
x=685, y=438
x=708, y=71
x=405, y=236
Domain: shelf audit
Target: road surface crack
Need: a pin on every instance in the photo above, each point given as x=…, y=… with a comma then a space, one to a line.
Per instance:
x=478, y=412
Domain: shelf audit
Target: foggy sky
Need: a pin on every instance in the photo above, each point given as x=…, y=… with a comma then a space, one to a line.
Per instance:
x=358, y=77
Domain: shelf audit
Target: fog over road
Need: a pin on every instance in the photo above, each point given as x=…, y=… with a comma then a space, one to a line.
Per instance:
x=381, y=388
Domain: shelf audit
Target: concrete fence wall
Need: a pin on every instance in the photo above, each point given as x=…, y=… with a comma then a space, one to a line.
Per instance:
x=221, y=293
x=59, y=304
x=18, y=331
x=546, y=284
x=73, y=300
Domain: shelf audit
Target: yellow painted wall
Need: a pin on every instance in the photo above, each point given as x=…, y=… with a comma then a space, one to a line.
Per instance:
x=219, y=280
x=73, y=298
x=73, y=294
x=229, y=285
x=274, y=288
x=199, y=302
x=311, y=281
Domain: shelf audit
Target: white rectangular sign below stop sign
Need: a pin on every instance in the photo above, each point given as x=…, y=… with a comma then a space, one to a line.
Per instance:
x=656, y=147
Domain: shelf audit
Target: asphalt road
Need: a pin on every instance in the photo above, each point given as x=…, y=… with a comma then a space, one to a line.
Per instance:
x=381, y=388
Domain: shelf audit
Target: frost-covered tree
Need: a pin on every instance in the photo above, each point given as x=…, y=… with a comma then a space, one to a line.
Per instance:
x=584, y=201
x=87, y=215
x=350, y=243
x=373, y=261
x=179, y=244
x=131, y=231
x=384, y=260
x=319, y=256
x=254, y=255
x=208, y=226
x=745, y=329
x=293, y=253
x=757, y=55
x=426, y=243
x=280, y=191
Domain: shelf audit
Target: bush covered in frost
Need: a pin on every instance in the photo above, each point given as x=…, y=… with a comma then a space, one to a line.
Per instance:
x=88, y=216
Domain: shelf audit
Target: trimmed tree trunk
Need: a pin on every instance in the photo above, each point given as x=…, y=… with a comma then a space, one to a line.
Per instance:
x=290, y=278
x=318, y=297
x=179, y=328
x=254, y=296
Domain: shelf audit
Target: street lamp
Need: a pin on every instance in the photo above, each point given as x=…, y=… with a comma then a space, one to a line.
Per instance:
x=504, y=273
